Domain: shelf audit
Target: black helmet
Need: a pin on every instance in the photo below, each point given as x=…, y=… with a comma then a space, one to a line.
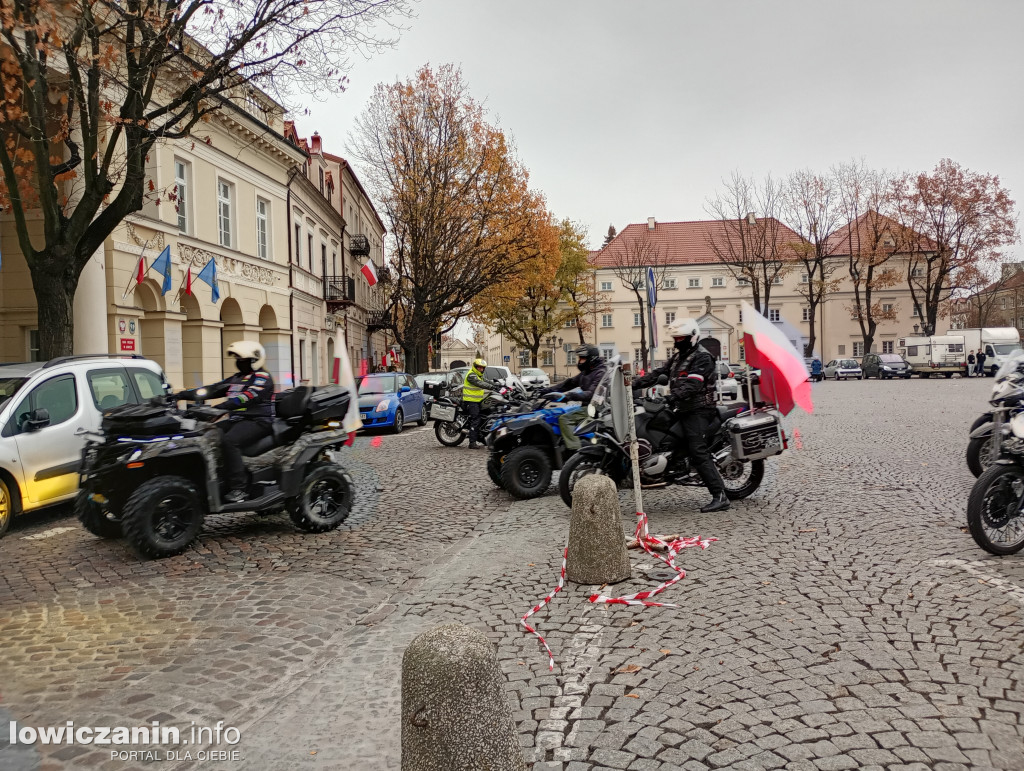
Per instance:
x=589, y=355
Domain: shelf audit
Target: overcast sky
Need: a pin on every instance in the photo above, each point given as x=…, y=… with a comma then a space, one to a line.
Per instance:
x=625, y=110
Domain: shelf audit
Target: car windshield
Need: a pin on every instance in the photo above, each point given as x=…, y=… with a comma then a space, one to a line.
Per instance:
x=1005, y=349
x=493, y=373
x=9, y=386
x=430, y=377
x=848, y=364
x=891, y=358
x=377, y=384
x=528, y=372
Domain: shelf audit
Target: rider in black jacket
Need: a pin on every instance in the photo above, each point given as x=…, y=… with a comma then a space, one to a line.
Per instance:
x=580, y=387
x=692, y=374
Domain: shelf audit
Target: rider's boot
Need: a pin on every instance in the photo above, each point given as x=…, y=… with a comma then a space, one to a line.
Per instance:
x=719, y=503
x=235, y=496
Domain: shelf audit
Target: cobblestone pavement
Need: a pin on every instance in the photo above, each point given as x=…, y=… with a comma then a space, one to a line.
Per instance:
x=845, y=619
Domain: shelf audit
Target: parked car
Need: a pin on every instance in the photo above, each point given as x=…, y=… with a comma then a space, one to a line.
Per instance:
x=429, y=377
x=843, y=369
x=534, y=376
x=885, y=365
x=727, y=380
x=46, y=412
x=389, y=399
x=498, y=374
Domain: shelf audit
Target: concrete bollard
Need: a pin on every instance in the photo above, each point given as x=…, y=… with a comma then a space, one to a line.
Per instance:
x=455, y=715
x=597, y=546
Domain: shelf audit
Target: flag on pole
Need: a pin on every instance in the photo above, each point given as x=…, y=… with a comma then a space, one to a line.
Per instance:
x=370, y=272
x=140, y=271
x=343, y=376
x=162, y=265
x=188, y=281
x=208, y=275
x=784, y=376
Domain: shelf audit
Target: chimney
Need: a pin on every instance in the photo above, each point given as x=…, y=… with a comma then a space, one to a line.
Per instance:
x=751, y=219
x=650, y=223
x=315, y=149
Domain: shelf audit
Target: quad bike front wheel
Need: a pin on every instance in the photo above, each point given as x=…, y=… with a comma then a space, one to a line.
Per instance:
x=577, y=467
x=163, y=516
x=526, y=472
x=325, y=499
x=95, y=518
x=494, y=462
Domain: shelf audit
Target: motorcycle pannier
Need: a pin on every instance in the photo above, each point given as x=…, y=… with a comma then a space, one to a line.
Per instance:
x=140, y=420
x=755, y=436
x=328, y=403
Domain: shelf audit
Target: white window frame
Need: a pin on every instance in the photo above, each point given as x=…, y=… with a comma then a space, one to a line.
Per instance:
x=670, y=316
x=606, y=286
x=717, y=281
x=693, y=282
x=743, y=281
x=806, y=313
x=570, y=323
x=777, y=280
x=774, y=315
x=888, y=346
x=914, y=314
x=262, y=228
x=917, y=272
x=669, y=283
x=184, y=200
x=858, y=348
x=606, y=320
x=887, y=308
x=636, y=318
x=225, y=222
x=804, y=278
x=547, y=357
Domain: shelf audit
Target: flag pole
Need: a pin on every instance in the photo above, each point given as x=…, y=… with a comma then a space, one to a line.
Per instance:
x=141, y=256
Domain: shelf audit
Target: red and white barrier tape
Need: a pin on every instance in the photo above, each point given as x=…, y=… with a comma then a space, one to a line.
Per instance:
x=646, y=540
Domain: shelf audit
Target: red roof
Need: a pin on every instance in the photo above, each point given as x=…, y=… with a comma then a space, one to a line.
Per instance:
x=679, y=243
x=863, y=230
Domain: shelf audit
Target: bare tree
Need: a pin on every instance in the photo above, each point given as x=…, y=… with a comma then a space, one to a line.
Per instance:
x=812, y=208
x=981, y=291
x=631, y=256
x=756, y=250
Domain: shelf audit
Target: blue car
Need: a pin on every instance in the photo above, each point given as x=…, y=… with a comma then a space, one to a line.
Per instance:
x=389, y=399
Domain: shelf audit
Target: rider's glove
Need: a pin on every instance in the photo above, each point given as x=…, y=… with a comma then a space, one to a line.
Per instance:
x=575, y=393
x=556, y=396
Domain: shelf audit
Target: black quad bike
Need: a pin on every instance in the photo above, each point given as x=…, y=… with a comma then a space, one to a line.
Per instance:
x=154, y=474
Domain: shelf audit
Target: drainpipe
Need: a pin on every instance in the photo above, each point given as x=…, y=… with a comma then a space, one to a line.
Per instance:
x=293, y=172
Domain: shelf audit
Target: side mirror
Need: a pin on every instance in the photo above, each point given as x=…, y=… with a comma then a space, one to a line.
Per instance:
x=404, y=390
x=663, y=380
x=39, y=418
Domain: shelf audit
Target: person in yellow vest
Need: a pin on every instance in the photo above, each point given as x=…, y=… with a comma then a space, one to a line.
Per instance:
x=475, y=388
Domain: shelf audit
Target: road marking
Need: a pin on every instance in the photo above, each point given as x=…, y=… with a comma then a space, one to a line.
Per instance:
x=974, y=567
x=48, y=533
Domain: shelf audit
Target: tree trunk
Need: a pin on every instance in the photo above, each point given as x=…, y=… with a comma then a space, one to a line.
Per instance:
x=55, y=300
x=812, y=312
x=533, y=355
x=579, y=330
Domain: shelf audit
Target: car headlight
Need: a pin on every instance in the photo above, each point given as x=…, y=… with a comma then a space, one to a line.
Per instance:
x=382, y=406
x=592, y=410
x=886, y=369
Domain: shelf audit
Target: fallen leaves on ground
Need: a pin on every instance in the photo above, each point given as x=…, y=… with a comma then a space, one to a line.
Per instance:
x=628, y=669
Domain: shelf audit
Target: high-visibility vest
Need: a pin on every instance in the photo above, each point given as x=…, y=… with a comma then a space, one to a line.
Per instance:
x=471, y=393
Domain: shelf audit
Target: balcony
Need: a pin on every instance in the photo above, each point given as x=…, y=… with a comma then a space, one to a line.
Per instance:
x=339, y=291
x=359, y=245
x=377, y=320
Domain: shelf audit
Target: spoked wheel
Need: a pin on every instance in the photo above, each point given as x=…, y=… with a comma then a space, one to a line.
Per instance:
x=325, y=500
x=981, y=454
x=741, y=479
x=526, y=472
x=992, y=510
x=163, y=516
x=450, y=433
x=577, y=467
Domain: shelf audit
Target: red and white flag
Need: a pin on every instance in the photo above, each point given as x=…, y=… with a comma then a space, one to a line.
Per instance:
x=370, y=272
x=784, y=377
x=188, y=281
x=140, y=273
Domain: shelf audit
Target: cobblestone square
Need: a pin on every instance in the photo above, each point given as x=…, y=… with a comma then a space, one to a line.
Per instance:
x=844, y=619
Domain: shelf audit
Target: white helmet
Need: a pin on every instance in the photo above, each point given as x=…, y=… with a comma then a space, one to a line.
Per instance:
x=685, y=329
x=248, y=349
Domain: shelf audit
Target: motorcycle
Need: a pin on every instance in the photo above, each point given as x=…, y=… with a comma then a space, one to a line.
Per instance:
x=740, y=440
x=450, y=421
x=992, y=428
x=152, y=472
x=995, y=510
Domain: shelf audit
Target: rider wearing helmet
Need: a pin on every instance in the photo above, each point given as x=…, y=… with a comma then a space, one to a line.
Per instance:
x=249, y=393
x=581, y=387
x=692, y=374
x=474, y=388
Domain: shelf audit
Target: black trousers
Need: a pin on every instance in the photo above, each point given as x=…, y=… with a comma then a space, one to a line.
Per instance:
x=472, y=409
x=235, y=435
x=695, y=425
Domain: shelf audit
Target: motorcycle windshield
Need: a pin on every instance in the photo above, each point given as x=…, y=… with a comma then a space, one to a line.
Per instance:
x=1010, y=366
x=603, y=390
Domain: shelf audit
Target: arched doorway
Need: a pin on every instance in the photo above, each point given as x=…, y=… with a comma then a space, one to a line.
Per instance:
x=234, y=329
x=200, y=361
x=156, y=334
x=277, y=343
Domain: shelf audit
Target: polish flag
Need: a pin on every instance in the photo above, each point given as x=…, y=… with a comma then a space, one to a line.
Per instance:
x=188, y=281
x=140, y=272
x=370, y=272
x=784, y=375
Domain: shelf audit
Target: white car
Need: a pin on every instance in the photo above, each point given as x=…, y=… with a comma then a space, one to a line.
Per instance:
x=534, y=376
x=843, y=369
x=46, y=411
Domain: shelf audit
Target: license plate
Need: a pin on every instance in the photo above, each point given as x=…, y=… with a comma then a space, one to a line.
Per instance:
x=440, y=412
x=365, y=416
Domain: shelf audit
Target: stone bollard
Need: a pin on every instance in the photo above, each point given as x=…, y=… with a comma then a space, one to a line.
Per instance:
x=597, y=546
x=455, y=715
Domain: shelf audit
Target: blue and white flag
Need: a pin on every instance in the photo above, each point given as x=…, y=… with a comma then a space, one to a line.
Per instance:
x=162, y=265
x=208, y=275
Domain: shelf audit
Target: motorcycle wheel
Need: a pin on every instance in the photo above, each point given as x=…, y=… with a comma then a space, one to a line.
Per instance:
x=741, y=479
x=450, y=434
x=979, y=455
x=526, y=472
x=94, y=517
x=577, y=467
x=163, y=516
x=986, y=418
x=991, y=510
x=325, y=500
x=494, y=468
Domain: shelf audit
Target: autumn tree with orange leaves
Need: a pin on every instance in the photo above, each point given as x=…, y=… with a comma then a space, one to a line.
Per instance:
x=88, y=88
x=461, y=215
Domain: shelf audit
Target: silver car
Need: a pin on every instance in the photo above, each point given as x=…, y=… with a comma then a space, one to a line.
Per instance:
x=843, y=369
x=534, y=376
x=46, y=410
